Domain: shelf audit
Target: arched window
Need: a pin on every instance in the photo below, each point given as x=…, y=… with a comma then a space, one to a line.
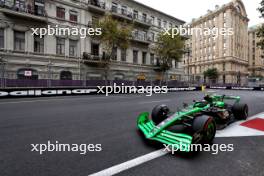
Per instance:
x=66, y=75
x=27, y=73
x=238, y=9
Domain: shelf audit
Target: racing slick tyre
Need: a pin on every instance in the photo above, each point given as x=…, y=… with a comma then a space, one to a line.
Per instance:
x=240, y=111
x=205, y=126
x=159, y=114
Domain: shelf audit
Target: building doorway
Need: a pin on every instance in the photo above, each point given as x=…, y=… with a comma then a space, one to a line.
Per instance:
x=65, y=75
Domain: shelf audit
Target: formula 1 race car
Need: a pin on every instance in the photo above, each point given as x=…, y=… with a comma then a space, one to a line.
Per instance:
x=196, y=123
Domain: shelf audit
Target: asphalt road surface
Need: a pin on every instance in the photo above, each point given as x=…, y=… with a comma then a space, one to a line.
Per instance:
x=111, y=122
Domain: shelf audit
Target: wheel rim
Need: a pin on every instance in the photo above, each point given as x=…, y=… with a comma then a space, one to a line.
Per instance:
x=210, y=130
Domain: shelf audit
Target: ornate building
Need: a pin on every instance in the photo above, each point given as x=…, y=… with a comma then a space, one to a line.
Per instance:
x=255, y=54
x=227, y=53
x=62, y=57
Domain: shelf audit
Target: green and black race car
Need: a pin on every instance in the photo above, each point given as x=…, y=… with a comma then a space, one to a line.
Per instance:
x=196, y=123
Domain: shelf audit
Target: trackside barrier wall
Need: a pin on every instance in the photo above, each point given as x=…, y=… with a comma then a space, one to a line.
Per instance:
x=48, y=92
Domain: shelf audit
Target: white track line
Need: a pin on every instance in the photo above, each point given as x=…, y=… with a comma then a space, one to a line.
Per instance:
x=60, y=99
x=130, y=164
x=157, y=101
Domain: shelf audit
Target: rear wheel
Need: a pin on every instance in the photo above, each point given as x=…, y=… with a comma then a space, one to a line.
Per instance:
x=159, y=114
x=205, y=126
x=240, y=111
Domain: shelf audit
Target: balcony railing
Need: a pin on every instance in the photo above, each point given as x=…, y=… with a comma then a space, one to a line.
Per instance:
x=139, y=37
x=126, y=14
x=143, y=20
x=91, y=57
x=28, y=11
x=121, y=12
x=96, y=6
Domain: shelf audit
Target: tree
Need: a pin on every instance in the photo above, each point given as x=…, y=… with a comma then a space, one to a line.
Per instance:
x=211, y=74
x=260, y=32
x=114, y=35
x=167, y=49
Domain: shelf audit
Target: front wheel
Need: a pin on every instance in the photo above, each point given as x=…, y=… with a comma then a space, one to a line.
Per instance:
x=206, y=127
x=159, y=114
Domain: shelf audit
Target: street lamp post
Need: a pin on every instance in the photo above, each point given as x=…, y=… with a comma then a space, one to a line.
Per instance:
x=188, y=64
x=2, y=64
x=188, y=52
x=82, y=73
x=49, y=73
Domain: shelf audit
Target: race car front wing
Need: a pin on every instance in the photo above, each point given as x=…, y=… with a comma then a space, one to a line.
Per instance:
x=177, y=141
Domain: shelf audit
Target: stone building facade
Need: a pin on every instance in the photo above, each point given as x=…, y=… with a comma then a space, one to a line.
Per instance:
x=227, y=53
x=62, y=57
x=255, y=54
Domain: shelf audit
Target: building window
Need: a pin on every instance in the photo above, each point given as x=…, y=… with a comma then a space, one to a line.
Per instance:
x=123, y=55
x=144, y=36
x=144, y=58
x=19, y=41
x=95, y=49
x=152, y=36
x=19, y=5
x=73, y=16
x=73, y=48
x=170, y=25
x=60, y=47
x=135, y=56
x=60, y=13
x=159, y=22
x=38, y=44
x=40, y=8
x=135, y=14
x=144, y=17
x=2, y=38
x=114, y=7
x=124, y=10
x=114, y=53
x=65, y=75
x=95, y=20
x=165, y=24
x=152, y=20
x=152, y=59
x=176, y=63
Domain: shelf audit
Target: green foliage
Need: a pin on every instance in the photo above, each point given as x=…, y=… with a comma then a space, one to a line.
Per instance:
x=114, y=34
x=211, y=73
x=261, y=8
x=260, y=32
x=168, y=48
